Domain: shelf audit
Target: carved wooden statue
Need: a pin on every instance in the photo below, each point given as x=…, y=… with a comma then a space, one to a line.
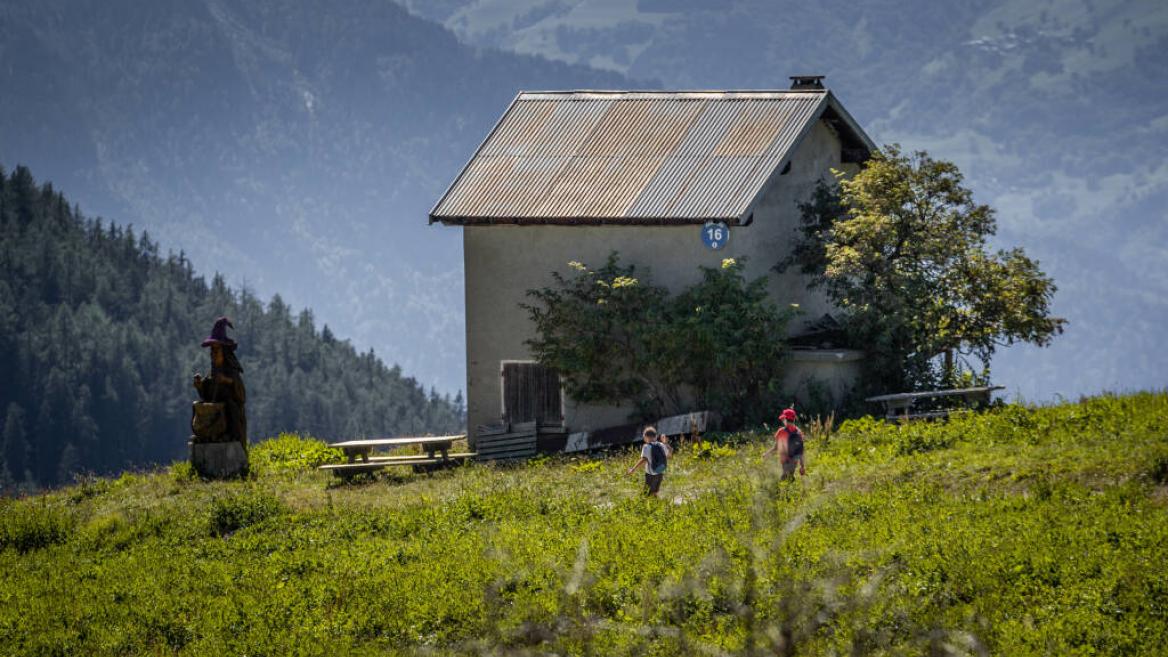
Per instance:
x=219, y=416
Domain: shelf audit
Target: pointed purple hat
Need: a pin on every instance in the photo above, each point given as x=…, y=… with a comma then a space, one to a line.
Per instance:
x=219, y=334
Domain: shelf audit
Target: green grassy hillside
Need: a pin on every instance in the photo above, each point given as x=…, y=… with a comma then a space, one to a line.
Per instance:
x=1017, y=532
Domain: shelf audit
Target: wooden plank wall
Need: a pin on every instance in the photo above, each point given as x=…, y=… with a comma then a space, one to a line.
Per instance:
x=507, y=441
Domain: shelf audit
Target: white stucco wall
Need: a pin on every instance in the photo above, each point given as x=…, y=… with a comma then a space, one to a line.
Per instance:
x=504, y=261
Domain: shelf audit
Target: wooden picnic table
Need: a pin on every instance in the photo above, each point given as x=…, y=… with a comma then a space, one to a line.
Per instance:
x=437, y=450
x=899, y=406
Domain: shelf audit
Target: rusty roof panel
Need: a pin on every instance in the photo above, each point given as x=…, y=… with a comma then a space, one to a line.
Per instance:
x=779, y=148
x=707, y=195
x=629, y=157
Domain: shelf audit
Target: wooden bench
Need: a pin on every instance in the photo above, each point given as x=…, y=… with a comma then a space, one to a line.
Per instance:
x=363, y=448
x=436, y=448
x=899, y=406
x=417, y=461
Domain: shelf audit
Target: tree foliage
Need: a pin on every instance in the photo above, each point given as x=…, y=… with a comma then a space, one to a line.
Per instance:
x=903, y=249
x=601, y=329
x=99, y=336
x=729, y=340
x=616, y=338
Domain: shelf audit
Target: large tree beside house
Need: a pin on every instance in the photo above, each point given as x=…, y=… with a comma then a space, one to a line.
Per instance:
x=903, y=249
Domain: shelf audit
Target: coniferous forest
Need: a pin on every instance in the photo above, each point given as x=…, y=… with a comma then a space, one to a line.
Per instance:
x=99, y=340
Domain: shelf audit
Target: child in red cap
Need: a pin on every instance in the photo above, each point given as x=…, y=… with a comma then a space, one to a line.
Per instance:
x=789, y=443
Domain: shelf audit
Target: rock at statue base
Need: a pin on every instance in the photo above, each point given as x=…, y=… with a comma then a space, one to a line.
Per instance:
x=219, y=460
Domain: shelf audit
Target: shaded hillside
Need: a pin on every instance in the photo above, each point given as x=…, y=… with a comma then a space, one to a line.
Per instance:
x=995, y=534
x=99, y=338
x=315, y=135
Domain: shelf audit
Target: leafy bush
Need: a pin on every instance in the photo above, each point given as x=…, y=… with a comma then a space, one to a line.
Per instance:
x=616, y=338
x=27, y=526
x=728, y=341
x=291, y=452
x=183, y=471
x=601, y=330
x=233, y=512
x=705, y=449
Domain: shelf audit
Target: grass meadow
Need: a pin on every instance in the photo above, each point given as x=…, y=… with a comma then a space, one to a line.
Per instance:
x=1019, y=531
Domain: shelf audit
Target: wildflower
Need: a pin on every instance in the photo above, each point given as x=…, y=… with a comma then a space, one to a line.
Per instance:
x=795, y=305
x=601, y=302
x=624, y=281
x=578, y=266
x=728, y=263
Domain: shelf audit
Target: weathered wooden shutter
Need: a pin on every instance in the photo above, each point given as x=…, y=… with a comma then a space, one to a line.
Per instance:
x=531, y=392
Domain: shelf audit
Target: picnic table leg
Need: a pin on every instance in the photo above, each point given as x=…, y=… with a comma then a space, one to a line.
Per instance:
x=445, y=456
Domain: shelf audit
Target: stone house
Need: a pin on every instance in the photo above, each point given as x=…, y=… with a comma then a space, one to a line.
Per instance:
x=574, y=175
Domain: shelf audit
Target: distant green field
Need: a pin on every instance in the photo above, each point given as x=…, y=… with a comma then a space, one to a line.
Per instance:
x=1021, y=531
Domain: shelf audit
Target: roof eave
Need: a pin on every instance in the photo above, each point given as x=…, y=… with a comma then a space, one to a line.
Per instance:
x=580, y=221
x=851, y=122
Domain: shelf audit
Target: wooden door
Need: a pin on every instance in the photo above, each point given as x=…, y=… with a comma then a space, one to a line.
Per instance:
x=531, y=392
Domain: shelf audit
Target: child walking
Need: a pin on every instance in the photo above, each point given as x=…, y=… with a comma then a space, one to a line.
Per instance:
x=654, y=456
x=789, y=444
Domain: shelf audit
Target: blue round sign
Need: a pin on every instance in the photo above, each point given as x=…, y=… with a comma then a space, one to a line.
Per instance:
x=715, y=234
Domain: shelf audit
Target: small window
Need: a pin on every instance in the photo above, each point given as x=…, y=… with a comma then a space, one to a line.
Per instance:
x=531, y=392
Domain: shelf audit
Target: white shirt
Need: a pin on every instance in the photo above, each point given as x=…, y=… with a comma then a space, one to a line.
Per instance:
x=646, y=452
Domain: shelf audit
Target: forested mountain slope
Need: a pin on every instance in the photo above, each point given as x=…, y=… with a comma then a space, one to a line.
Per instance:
x=99, y=338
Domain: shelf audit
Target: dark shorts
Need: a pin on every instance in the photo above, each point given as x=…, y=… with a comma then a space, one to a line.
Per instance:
x=791, y=465
x=653, y=482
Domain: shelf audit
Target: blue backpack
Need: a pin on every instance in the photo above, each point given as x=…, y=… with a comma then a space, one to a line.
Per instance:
x=658, y=458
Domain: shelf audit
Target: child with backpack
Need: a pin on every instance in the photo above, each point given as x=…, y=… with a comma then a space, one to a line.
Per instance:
x=655, y=454
x=789, y=444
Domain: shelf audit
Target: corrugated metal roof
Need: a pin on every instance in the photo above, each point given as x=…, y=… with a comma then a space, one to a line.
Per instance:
x=629, y=157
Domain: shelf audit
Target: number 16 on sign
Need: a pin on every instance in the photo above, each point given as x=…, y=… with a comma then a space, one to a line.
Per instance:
x=715, y=234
